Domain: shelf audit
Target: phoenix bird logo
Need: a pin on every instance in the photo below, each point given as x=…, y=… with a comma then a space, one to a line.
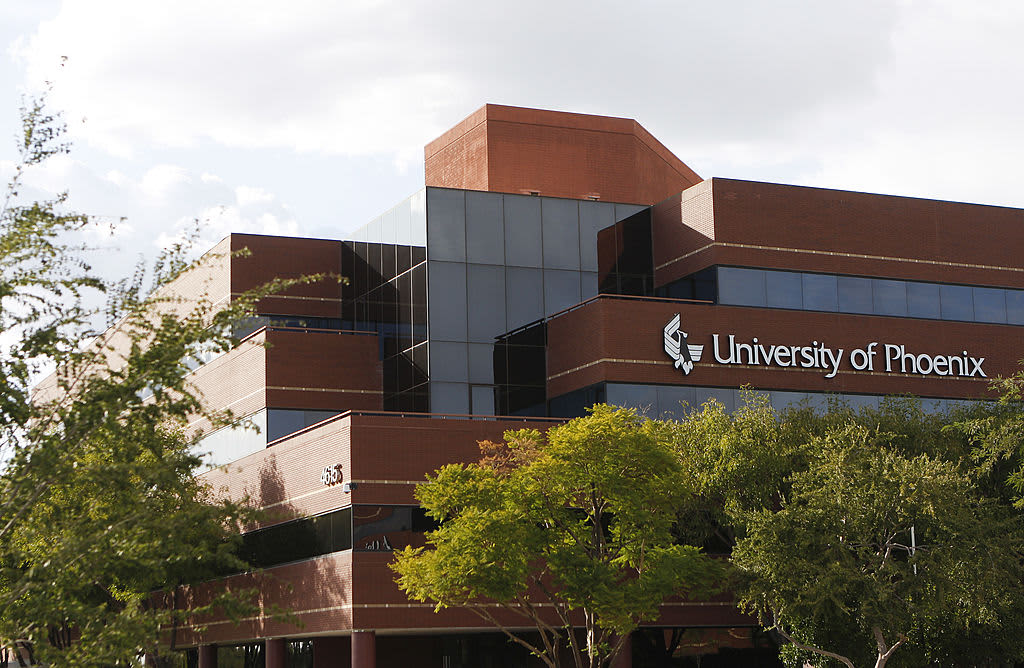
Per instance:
x=677, y=348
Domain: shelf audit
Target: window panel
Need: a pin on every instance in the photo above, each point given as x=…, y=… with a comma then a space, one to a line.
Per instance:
x=561, y=290
x=1015, y=307
x=448, y=361
x=820, y=292
x=485, y=230
x=889, y=297
x=486, y=294
x=447, y=300
x=741, y=287
x=989, y=305
x=560, y=220
x=522, y=231
x=923, y=300
x=783, y=289
x=524, y=294
x=957, y=302
x=854, y=294
x=446, y=224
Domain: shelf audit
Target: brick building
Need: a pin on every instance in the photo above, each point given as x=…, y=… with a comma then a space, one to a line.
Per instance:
x=554, y=260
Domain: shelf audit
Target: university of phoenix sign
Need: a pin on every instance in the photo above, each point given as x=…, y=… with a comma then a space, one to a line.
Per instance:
x=875, y=356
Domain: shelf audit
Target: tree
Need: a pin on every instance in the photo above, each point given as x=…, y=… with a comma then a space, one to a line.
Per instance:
x=879, y=539
x=99, y=507
x=565, y=529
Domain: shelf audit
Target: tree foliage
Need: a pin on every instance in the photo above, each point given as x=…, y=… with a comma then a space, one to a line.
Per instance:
x=561, y=530
x=865, y=535
x=99, y=507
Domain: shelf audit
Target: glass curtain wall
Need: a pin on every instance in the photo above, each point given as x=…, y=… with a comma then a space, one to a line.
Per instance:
x=387, y=293
x=497, y=262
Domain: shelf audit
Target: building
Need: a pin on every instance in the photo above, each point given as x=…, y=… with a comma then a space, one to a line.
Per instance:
x=554, y=260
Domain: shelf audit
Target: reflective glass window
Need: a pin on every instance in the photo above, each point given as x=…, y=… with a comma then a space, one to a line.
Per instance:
x=561, y=230
x=418, y=214
x=820, y=292
x=594, y=216
x=485, y=230
x=989, y=305
x=923, y=300
x=448, y=361
x=675, y=401
x=447, y=300
x=854, y=294
x=588, y=285
x=522, y=231
x=561, y=290
x=890, y=297
x=482, y=398
x=724, y=396
x=524, y=294
x=1015, y=307
x=449, y=398
x=446, y=224
x=957, y=302
x=481, y=363
x=643, y=398
x=623, y=211
x=741, y=287
x=783, y=289
x=486, y=294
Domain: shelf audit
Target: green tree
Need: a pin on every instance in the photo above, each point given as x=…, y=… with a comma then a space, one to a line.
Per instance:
x=99, y=507
x=878, y=539
x=565, y=529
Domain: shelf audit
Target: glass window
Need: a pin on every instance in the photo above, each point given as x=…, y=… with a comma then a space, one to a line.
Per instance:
x=486, y=290
x=1015, y=307
x=724, y=396
x=741, y=287
x=485, y=231
x=675, y=401
x=957, y=302
x=449, y=398
x=889, y=297
x=783, y=289
x=588, y=285
x=820, y=292
x=481, y=363
x=644, y=398
x=522, y=231
x=561, y=231
x=594, y=216
x=482, y=397
x=923, y=300
x=989, y=305
x=854, y=294
x=561, y=290
x=446, y=285
x=446, y=224
x=418, y=213
x=623, y=211
x=448, y=361
x=524, y=294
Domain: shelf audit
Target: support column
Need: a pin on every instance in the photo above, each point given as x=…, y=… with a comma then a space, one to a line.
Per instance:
x=364, y=649
x=625, y=656
x=207, y=656
x=276, y=653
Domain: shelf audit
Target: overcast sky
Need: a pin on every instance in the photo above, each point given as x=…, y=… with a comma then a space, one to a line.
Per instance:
x=309, y=117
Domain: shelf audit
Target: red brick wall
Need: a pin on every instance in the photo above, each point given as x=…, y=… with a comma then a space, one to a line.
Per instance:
x=289, y=257
x=590, y=344
x=516, y=150
x=814, y=229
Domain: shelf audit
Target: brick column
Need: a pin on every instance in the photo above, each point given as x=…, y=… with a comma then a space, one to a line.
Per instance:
x=276, y=653
x=364, y=649
x=625, y=656
x=207, y=656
